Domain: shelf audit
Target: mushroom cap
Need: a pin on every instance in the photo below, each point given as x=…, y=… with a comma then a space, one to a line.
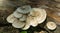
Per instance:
x=23, y=18
x=11, y=18
x=27, y=26
x=17, y=14
x=18, y=24
x=51, y=25
x=39, y=14
x=24, y=9
x=32, y=20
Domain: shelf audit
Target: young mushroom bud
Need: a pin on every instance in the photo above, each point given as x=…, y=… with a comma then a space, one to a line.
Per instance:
x=11, y=18
x=24, y=9
x=51, y=25
x=17, y=14
x=18, y=24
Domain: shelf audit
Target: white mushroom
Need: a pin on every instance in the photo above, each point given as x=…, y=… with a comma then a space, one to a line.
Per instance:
x=35, y=17
x=27, y=26
x=39, y=14
x=51, y=25
x=24, y=9
x=11, y=18
x=18, y=24
x=17, y=14
x=23, y=18
x=30, y=22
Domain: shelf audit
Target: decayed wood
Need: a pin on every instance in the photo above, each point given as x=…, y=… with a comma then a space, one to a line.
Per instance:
x=8, y=29
x=53, y=16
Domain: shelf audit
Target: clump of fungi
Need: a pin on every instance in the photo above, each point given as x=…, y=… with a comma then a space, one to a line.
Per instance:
x=25, y=16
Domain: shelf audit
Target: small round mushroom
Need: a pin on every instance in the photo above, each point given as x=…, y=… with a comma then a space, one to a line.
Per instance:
x=51, y=25
x=17, y=14
x=24, y=9
x=23, y=18
x=18, y=24
x=39, y=14
x=11, y=18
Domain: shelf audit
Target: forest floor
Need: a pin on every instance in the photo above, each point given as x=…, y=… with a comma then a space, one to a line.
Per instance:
x=49, y=5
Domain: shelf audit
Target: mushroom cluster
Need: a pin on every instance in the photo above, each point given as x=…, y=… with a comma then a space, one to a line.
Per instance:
x=25, y=16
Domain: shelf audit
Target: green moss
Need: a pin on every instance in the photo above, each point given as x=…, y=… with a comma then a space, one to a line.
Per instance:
x=23, y=32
